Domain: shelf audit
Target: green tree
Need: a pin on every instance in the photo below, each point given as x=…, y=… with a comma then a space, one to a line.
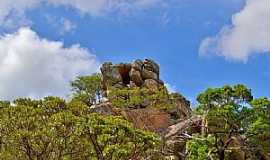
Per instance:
x=88, y=89
x=114, y=138
x=137, y=97
x=53, y=129
x=225, y=113
x=259, y=129
x=201, y=148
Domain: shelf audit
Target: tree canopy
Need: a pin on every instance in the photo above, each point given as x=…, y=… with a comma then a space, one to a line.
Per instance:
x=232, y=118
x=54, y=129
x=234, y=123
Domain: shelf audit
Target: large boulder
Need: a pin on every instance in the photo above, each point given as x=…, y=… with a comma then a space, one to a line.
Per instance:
x=128, y=74
x=149, y=119
x=124, y=69
x=135, y=77
x=183, y=108
x=110, y=75
x=103, y=108
x=151, y=84
x=151, y=65
x=137, y=65
x=146, y=74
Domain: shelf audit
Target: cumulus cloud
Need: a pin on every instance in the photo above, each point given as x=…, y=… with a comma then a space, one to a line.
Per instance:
x=34, y=66
x=12, y=12
x=249, y=33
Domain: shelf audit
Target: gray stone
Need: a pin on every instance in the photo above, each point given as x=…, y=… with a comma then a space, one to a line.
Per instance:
x=146, y=74
x=135, y=76
x=151, y=66
x=110, y=75
x=137, y=65
x=151, y=84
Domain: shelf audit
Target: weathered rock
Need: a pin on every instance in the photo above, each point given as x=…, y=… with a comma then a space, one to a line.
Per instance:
x=182, y=106
x=127, y=74
x=145, y=103
x=124, y=69
x=135, y=76
x=161, y=82
x=119, y=85
x=173, y=124
x=151, y=65
x=103, y=108
x=151, y=84
x=132, y=84
x=148, y=119
x=110, y=75
x=146, y=74
x=137, y=65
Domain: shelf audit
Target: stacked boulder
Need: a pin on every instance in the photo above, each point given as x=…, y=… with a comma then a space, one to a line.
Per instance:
x=139, y=73
x=169, y=124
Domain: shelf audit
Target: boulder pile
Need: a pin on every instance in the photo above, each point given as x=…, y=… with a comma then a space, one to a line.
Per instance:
x=169, y=124
x=139, y=73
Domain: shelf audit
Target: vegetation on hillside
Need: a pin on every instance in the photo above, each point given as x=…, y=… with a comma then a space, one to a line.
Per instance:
x=53, y=128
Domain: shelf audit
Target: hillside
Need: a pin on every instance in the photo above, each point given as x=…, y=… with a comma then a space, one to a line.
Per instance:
x=126, y=112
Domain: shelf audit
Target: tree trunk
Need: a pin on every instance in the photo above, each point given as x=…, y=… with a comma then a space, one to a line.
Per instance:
x=221, y=154
x=97, y=148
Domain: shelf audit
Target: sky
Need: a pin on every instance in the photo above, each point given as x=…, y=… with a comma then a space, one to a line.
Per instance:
x=44, y=44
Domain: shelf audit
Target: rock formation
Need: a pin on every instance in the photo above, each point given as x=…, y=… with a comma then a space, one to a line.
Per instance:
x=174, y=125
x=170, y=124
x=139, y=73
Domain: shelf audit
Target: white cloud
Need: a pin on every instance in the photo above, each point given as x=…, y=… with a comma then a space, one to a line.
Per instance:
x=63, y=25
x=171, y=89
x=33, y=66
x=101, y=7
x=67, y=26
x=12, y=12
x=249, y=33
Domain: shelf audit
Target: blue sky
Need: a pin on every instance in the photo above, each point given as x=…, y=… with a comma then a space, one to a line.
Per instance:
x=197, y=44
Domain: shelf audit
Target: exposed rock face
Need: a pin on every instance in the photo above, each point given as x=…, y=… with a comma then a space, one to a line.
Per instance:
x=103, y=108
x=110, y=75
x=151, y=84
x=149, y=119
x=135, y=76
x=126, y=74
x=143, y=74
x=170, y=124
x=183, y=108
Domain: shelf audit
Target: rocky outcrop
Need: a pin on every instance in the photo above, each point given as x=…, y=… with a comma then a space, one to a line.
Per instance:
x=138, y=73
x=110, y=75
x=170, y=124
x=149, y=119
x=183, y=108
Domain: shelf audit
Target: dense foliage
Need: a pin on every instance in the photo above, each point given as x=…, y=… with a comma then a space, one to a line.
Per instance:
x=52, y=128
x=87, y=89
x=140, y=97
x=236, y=121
